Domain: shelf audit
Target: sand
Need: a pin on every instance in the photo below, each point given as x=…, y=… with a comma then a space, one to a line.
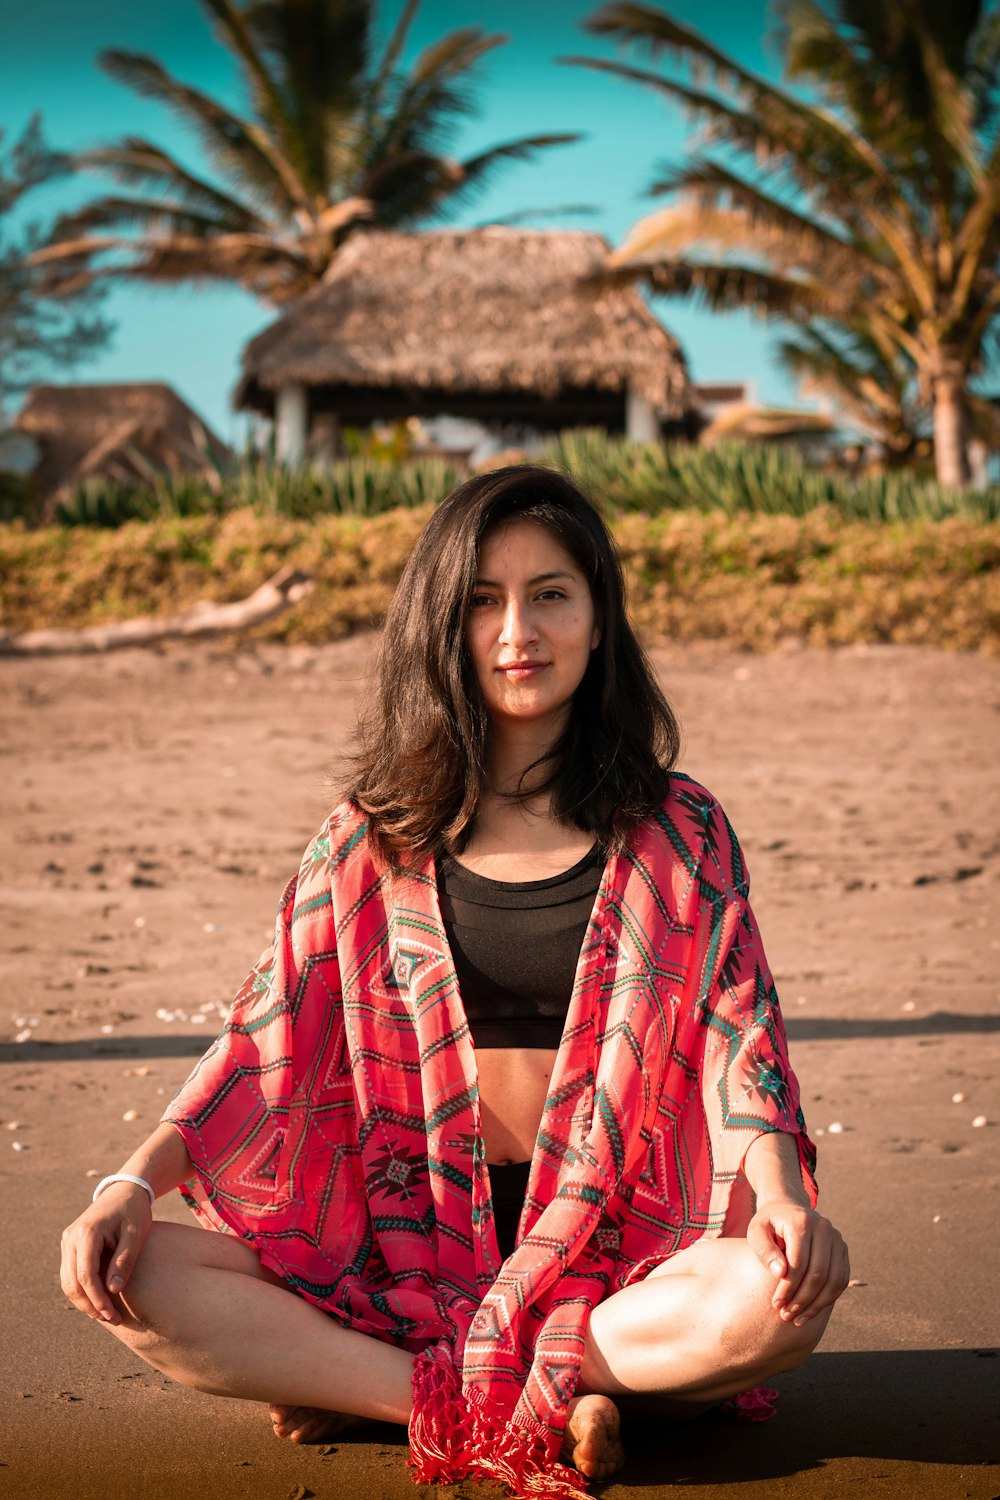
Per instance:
x=153, y=804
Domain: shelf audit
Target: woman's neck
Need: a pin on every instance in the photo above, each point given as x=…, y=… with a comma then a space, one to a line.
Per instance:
x=520, y=838
x=513, y=750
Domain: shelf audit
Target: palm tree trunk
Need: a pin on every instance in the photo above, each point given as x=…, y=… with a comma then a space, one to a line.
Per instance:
x=948, y=395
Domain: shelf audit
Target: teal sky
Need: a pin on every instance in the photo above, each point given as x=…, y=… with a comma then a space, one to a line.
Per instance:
x=192, y=336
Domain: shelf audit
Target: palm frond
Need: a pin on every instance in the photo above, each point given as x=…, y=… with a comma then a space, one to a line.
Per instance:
x=62, y=251
x=977, y=240
x=687, y=227
x=138, y=163
x=724, y=287
x=318, y=54
x=155, y=214
x=394, y=48
x=240, y=148
x=427, y=100
x=259, y=263
x=32, y=162
x=815, y=159
x=232, y=24
x=707, y=182
x=476, y=170
x=855, y=370
x=454, y=55
x=818, y=130
x=983, y=73
x=899, y=78
x=657, y=33
x=410, y=185
x=948, y=120
x=879, y=397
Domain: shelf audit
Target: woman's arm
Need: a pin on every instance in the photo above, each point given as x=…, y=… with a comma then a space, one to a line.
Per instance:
x=800, y=1248
x=119, y=1222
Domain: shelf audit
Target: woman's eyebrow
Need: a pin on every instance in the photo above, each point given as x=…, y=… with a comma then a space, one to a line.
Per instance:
x=493, y=583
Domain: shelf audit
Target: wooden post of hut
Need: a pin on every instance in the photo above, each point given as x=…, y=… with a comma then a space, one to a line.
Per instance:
x=292, y=422
x=641, y=425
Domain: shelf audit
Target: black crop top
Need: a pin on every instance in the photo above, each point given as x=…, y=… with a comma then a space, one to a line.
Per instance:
x=516, y=945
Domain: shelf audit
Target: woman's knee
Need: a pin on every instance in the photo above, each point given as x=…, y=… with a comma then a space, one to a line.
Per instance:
x=758, y=1334
x=172, y=1254
x=147, y=1292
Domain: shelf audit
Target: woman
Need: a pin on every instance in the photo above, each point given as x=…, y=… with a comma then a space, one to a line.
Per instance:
x=507, y=1102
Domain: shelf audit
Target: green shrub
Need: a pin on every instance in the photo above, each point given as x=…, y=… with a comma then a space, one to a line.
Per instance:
x=352, y=487
x=739, y=478
x=751, y=580
x=731, y=479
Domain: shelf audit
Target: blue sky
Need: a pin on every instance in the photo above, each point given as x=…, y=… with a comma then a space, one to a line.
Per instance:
x=192, y=337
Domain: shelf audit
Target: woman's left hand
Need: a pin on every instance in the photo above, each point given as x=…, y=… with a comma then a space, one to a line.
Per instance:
x=804, y=1253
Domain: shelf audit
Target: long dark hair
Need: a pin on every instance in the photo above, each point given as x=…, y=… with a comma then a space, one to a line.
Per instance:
x=420, y=769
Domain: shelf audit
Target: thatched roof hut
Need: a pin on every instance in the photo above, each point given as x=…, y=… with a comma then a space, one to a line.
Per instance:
x=123, y=431
x=504, y=325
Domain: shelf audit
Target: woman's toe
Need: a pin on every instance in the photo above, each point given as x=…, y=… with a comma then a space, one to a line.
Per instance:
x=289, y=1421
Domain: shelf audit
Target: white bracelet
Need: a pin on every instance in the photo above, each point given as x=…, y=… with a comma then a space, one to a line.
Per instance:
x=124, y=1177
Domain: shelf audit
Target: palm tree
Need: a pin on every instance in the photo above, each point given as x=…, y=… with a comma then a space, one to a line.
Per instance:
x=882, y=397
x=871, y=217
x=333, y=136
x=40, y=329
x=879, y=397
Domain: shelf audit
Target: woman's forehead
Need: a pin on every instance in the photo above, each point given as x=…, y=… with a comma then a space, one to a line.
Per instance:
x=521, y=545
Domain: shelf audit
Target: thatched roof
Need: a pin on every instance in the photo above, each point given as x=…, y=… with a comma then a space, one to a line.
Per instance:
x=486, y=311
x=118, y=431
x=749, y=422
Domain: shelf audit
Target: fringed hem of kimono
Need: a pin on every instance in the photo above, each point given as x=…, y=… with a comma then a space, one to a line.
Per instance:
x=335, y=1123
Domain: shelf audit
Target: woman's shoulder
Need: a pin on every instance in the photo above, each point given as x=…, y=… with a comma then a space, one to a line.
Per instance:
x=342, y=831
x=683, y=792
x=700, y=832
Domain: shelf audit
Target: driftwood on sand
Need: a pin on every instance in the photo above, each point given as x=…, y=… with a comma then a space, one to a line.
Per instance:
x=284, y=589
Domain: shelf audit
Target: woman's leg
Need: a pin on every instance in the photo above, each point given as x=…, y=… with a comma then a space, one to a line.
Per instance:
x=698, y=1329
x=201, y=1308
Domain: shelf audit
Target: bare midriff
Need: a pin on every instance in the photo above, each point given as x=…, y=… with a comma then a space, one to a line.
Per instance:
x=513, y=1083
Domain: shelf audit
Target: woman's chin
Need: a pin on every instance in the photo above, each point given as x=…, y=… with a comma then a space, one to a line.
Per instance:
x=526, y=708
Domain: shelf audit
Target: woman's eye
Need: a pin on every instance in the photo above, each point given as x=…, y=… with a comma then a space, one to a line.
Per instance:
x=552, y=594
x=478, y=600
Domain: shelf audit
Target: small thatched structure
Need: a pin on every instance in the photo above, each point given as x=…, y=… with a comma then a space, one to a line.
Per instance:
x=750, y=423
x=126, y=432
x=501, y=325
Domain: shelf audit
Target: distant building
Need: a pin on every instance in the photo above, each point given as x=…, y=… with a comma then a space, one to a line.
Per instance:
x=499, y=329
x=715, y=398
x=125, y=431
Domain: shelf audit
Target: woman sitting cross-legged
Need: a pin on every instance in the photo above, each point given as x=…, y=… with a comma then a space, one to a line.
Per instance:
x=500, y=1134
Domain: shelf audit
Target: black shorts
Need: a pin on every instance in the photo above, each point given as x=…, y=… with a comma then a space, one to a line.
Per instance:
x=510, y=1184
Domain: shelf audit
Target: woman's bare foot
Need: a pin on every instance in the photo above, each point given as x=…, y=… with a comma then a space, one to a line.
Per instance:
x=592, y=1441
x=309, y=1424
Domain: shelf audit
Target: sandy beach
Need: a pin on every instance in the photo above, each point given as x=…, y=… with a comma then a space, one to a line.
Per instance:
x=153, y=805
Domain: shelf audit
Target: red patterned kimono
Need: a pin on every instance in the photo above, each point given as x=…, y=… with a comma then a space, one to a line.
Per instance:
x=335, y=1125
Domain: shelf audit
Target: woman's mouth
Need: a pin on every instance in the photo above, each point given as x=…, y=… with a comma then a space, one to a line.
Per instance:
x=521, y=670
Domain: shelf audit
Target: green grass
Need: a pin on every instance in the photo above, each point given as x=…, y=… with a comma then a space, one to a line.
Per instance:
x=734, y=479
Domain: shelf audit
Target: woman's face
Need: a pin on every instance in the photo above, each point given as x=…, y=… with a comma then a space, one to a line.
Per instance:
x=531, y=625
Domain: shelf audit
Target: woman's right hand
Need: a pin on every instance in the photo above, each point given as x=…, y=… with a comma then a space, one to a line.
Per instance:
x=119, y=1222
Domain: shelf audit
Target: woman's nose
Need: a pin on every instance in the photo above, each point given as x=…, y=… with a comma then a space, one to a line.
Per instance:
x=518, y=624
